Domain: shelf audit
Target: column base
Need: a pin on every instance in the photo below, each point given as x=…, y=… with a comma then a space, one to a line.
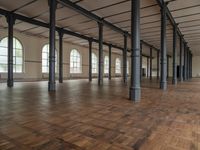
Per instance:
x=174, y=81
x=52, y=86
x=60, y=80
x=135, y=94
x=10, y=83
x=100, y=82
x=125, y=81
x=163, y=85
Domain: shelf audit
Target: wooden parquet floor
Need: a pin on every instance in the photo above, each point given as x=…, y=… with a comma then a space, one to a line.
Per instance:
x=83, y=116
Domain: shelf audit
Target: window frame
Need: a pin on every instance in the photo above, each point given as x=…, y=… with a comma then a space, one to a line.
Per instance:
x=80, y=63
x=94, y=63
x=14, y=56
x=118, y=66
x=106, y=65
x=47, y=59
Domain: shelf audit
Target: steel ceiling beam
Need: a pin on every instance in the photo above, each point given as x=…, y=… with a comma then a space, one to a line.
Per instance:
x=96, y=18
x=46, y=25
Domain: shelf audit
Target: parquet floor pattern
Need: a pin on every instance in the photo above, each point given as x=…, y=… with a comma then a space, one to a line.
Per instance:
x=83, y=116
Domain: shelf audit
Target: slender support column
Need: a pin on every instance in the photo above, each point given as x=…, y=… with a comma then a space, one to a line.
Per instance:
x=52, y=10
x=11, y=22
x=188, y=64
x=191, y=65
x=158, y=64
x=141, y=73
x=151, y=57
x=125, y=59
x=147, y=67
x=174, y=78
x=181, y=61
x=185, y=62
x=191, y=56
x=60, y=56
x=135, y=91
x=163, y=73
x=110, y=62
x=90, y=60
x=167, y=66
x=100, y=75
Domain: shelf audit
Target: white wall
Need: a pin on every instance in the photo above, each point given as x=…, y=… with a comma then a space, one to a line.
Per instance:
x=33, y=58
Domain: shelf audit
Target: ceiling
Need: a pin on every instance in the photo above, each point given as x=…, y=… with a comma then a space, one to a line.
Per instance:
x=117, y=12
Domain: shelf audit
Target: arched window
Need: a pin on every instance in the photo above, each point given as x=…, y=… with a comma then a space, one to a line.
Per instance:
x=45, y=59
x=106, y=65
x=17, y=55
x=75, y=62
x=127, y=67
x=94, y=63
x=117, y=66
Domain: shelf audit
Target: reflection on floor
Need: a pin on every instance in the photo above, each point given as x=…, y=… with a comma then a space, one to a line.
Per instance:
x=83, y=116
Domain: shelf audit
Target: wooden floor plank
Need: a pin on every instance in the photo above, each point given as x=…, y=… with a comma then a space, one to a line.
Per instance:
x=83, y=116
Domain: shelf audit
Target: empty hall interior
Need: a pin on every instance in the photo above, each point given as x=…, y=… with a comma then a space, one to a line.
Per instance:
x=99, y=75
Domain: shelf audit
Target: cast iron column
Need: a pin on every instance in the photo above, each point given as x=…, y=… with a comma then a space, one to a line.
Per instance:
x=151, y=63
x=158, y=64
x=135, y=91
x=100, y=75
x=167, y=66
x=125, y=59
x=110, y=62
x=141, y=73
x=188, y=63
x=90, y=59
x=60, y=56
x=185, y=62
x=163, y=73
x=11, y=22
x=147, y=67
x=174, y=78
x=191, y=65
x=52, y=10
x=181, y=61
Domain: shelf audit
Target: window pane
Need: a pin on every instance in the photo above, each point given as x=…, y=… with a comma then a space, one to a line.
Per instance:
x=4, y=42
x=3, y=68
x=3, y=51
x=18, y=68
x=17, y=55
x=18, y=45
x=18, y=60
x=3, y=59
x=75, y=62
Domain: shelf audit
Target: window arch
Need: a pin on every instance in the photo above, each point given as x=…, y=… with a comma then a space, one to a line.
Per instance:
x=117, y=66
x=17, y=55
x=45, y=59
x=106, y=64
x=94, y=63
x=75, y=61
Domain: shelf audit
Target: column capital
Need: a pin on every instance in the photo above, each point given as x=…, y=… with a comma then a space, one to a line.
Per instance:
x=56, y=3
x=100, y=22
x=60, y=32
x=10, y=18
